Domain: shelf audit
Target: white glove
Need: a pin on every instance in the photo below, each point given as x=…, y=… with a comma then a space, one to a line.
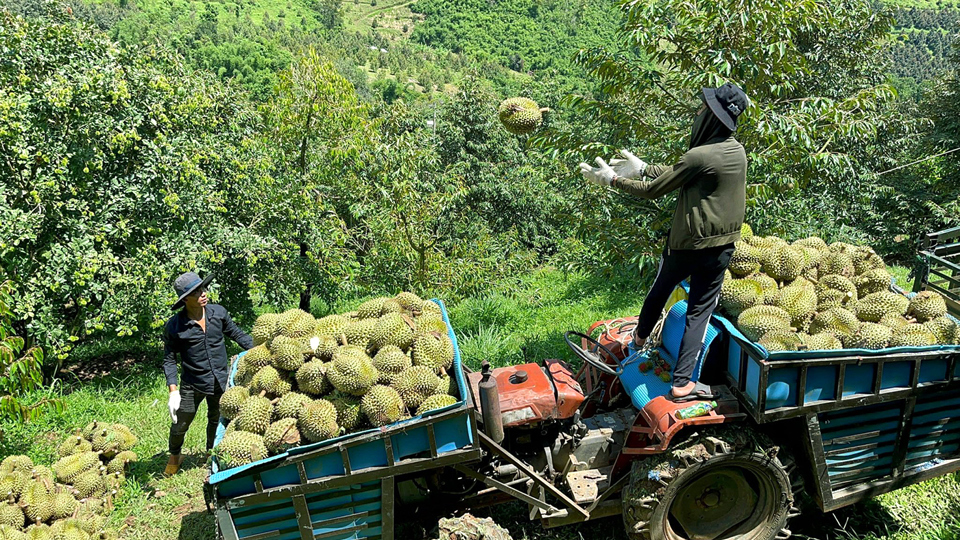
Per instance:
x=601, y=176
x=629, y=167
x=174, y=404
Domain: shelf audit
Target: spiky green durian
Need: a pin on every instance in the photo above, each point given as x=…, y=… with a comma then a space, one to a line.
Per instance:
x=871, y=336
x=332, y=325
x=296, y=323
x=382, y=405
x=12, y=516
x=429, y=307
x=927, y=305
x=254, y=415
x=371, y=309
x=106, y=442
x=312, y=378
x=13, y=482
x=436, y=401
x=783, y=263
x=40, y=532
x=874, y=306
x=257, y=358
x=431, y=322
x=360, y=333
x=520, y=115
x=290, y=406
x=392, y=329
x=946, y=330
x=16, y=463
x=836, y=282
x=838, y=321
x=90, y=484
x=73, y=444
x=37, y=502
x=894, y=320
x=415, y=384
x=913, y=335
x=390, y=361
x=814, y=242
x=872, y=281
x=390, y=305
x=349, y=415
x=282, y=435
x=232, y=400
x=265, y=328
x=800, y=302
x=271, y=381
x=125, y=436
x=770, y=286
x=119, y=463
x=326, y=346
x=736, y=295
x=352, y=371
x=447, y=385
x=68, y=468
x=410, y=301
x=433, y=350
x=288, y=353
x=823, y=341
x=837, y=262
x=745, y=260
x=240, y=448
x=781, y=340
x=9, y=533
x=64, y=504
x=745, y=231
x=318, y=421
x=758, y=320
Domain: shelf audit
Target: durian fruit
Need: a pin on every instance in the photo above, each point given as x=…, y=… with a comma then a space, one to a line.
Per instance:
x=287, y=353
x=16, y=463
x=831, y=298
x=436, y=401
x=770, y=287
x=349, y=413
x=91, y=429
x=416, y=384
x=254, y=415
x=392, y=329
x=410, y=302
x=745, y=231
x=106, y=442
x=871, y=336
x=326, y=346
x=520, y=115
x=332, y=325
x=946, y=330
x=814, y=242
x=290, y=406
x=119, y=463
x=312, y=378
x=837, y=262
x=431, y=322
x=90, y=523
x=9, y=533
x=390, y=305
x=428, y=307
x=433, y=350
x=874, y=306
x=38, y=532
x=242, y=374
x=296, y=323
x=382, y=405
x=781, y=340
x=784, y=263
x=232, y=400
x=271, y=381
x=13, y=483
x=927, y=305
x=93, y=506
x=318, y=421
x=894, y=320
x=836, y=282
x=745, y=259
x=824, y=341
x=838, y=321
x=913, y=335
x=44, y=475
x=125, y=436
x=68, y=468
x=11, y=515
x=90, y=484
x=739, y=294
x=282, y=435
x=800, y=302
x=448, y=385
x=37, y=503
x=257, y=358
x=73, y=444
x=371, y=309
x=866, y=259
x=360, y=333
x=352, y=371
x=758, y=320
x=265, y=328
x=240, y=448
x=872, y=281
x=390, y=361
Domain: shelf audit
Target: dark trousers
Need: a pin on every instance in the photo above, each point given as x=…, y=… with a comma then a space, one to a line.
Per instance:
x=705, y=268
x=190, y=400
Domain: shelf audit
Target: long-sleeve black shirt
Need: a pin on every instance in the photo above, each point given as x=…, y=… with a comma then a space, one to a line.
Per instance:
x=203, y=355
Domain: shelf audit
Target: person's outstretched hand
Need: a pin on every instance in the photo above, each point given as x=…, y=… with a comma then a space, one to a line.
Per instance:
x=629, y=167
x=174, y=404
x=601, y=176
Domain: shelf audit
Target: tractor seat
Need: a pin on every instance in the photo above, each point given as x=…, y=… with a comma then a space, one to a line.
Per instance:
x=644, y=387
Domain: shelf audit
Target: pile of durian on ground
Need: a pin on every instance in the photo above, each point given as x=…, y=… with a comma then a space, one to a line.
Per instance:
x=308, y=380
x=71, y=499
x=808, y=295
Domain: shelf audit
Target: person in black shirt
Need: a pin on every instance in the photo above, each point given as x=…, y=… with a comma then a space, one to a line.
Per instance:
x=196, y=333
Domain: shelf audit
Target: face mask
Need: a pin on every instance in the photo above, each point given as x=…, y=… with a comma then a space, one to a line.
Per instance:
x=706, y=126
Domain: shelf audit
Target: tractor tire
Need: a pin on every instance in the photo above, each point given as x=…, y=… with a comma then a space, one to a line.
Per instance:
x=720, y=483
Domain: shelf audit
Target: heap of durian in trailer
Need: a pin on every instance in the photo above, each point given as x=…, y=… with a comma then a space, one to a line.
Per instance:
x=808, y=295
x=71, y=499
x=308, y=380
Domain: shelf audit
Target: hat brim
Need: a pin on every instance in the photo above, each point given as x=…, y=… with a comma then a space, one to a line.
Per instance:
x=710, y=97
x=203, y=283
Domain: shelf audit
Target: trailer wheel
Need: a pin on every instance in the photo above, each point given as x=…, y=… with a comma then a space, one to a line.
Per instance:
x=721, y=483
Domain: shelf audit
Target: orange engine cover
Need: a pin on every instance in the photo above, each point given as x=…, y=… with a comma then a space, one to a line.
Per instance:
x=528, y=396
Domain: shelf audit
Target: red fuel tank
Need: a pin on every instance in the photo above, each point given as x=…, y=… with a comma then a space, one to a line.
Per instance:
x=527, y=394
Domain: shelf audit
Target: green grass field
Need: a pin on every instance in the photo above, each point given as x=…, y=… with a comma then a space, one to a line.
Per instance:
x=128, y=387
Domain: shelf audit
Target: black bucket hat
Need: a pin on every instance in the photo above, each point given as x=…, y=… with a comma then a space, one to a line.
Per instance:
x=727, y=103
x=186, y=284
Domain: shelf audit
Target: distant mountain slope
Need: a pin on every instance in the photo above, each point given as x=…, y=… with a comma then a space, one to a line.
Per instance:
x=925, y=32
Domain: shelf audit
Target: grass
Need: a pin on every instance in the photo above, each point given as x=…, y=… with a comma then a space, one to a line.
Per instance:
x=504, y=328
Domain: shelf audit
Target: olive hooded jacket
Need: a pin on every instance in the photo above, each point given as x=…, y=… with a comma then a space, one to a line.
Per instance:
x=711, y=178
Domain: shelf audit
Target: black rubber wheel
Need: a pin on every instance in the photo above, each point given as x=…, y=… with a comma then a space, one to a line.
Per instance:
x=722, y=483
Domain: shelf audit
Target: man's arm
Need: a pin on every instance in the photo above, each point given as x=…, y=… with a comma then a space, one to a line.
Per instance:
x=231, y=329
x=665, y=181
x=169, y=361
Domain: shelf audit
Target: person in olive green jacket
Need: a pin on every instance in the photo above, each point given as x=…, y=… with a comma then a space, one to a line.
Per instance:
x=711, y=178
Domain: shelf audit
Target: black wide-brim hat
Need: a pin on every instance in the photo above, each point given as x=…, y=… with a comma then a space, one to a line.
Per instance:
x=186, y=284
x=727, y=103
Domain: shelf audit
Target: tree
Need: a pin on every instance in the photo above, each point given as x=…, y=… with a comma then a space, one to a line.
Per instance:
x=815, y=73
